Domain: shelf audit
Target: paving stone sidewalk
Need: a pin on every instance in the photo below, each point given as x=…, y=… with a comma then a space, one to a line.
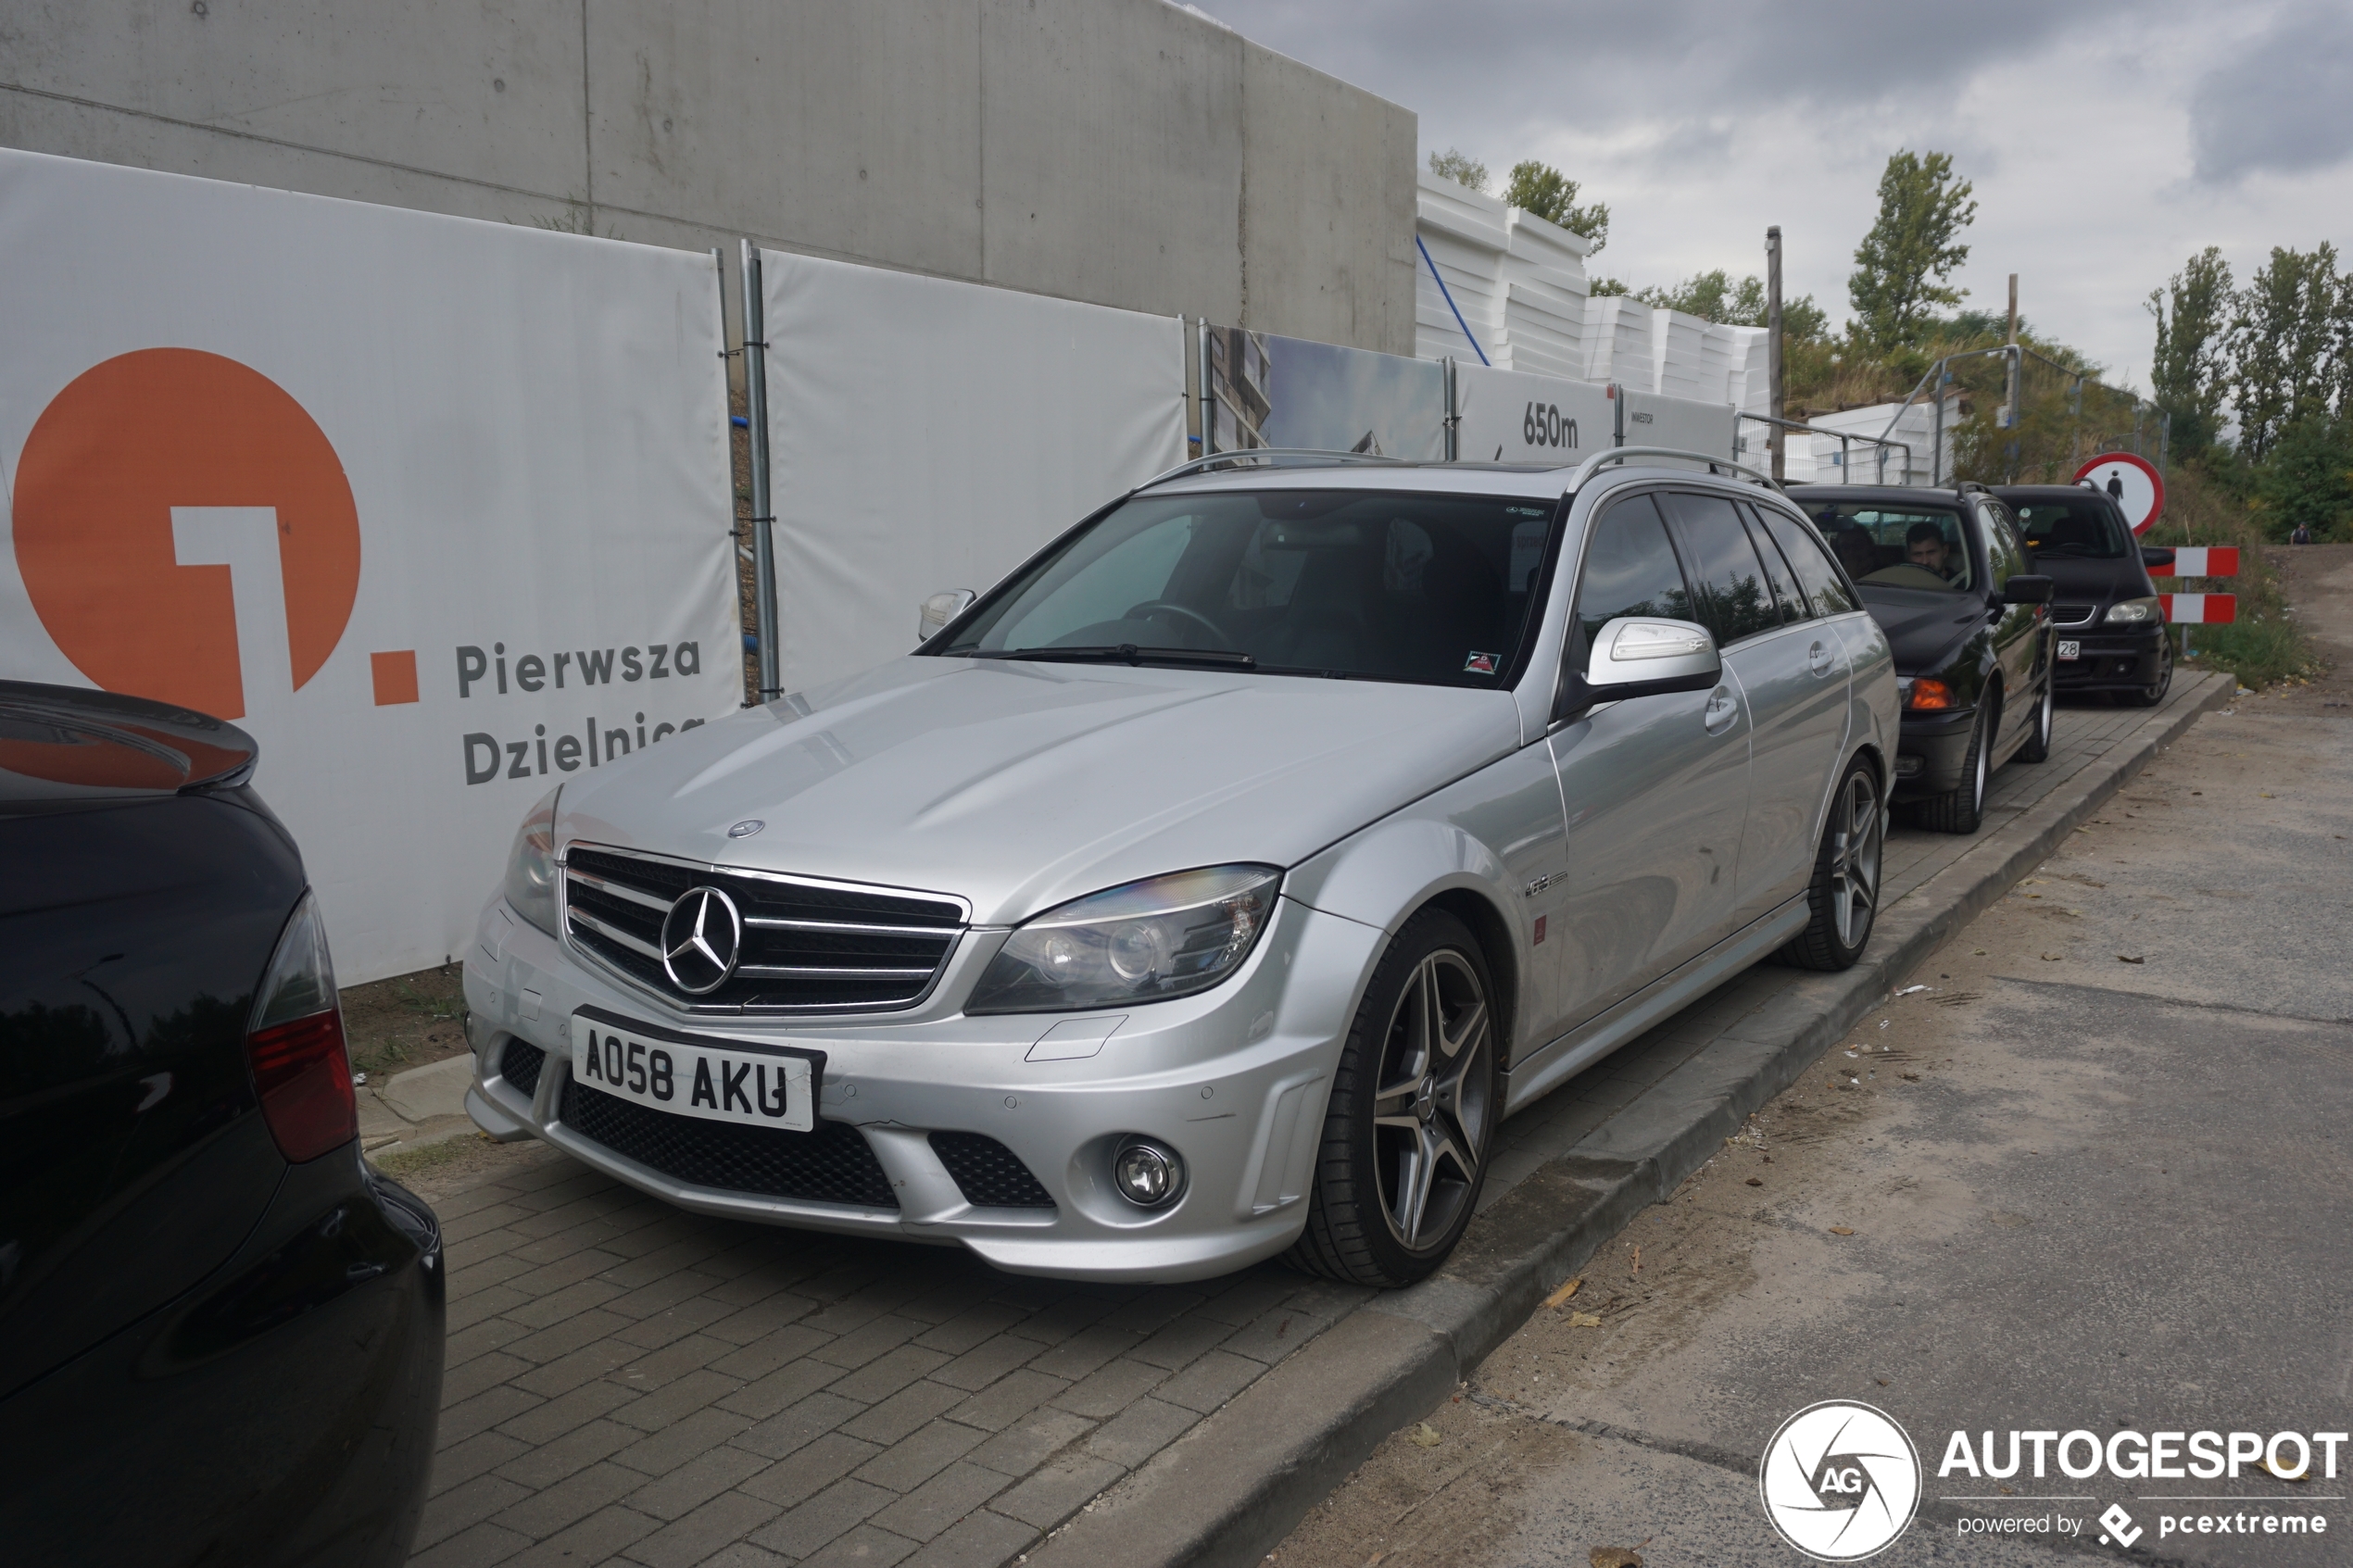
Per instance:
x=627, y=1382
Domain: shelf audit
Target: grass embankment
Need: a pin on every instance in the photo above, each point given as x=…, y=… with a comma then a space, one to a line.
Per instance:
x=2265, y=645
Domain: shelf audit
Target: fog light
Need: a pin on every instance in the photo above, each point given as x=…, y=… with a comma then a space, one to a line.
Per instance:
x=1907, y=766
x=1147, y=1175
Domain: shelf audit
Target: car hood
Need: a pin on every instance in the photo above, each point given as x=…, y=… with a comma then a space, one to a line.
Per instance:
x=1922, y=624
x=1019, y=784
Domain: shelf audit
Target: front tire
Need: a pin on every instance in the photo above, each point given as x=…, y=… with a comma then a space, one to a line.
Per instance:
x=2153, y=693
x=1412, y=1115
x=1842, y=898
x=1963, y=808
x=2038, y=743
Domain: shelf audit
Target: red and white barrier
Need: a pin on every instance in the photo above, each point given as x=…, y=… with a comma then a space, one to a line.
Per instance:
x=2201, y=560
x=2200, y=609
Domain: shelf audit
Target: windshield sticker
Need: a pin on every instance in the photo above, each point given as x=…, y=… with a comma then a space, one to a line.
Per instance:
x=1479, y=664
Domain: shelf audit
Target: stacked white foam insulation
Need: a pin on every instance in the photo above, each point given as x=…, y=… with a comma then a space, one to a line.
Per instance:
x=1519, y=281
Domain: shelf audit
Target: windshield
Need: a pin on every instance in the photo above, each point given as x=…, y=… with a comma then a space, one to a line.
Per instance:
x=1897, y=546
x=2071, y=527
x=1354, y=582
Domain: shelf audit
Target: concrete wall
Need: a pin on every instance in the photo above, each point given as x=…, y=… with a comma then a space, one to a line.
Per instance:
x=1124, y=152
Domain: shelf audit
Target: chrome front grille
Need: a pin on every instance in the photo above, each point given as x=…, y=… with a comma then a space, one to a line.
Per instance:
x=808, y=946
x=2074, y=615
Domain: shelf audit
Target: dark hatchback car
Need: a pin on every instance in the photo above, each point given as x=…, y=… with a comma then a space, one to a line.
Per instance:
x=1945, y=573
x=2105, y=613
x=220, y=1333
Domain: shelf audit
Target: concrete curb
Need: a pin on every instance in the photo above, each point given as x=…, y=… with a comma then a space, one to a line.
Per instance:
x=1232, y=1488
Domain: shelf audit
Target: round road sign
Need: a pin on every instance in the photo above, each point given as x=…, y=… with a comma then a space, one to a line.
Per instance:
x=2133, y=481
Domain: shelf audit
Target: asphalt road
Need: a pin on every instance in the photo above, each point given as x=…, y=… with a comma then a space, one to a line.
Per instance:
x=2060, y=1190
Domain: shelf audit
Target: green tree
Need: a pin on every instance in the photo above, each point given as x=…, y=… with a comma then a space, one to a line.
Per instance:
x=2309, y=479
x=1552, y=195
x=2283, y=344
x=1461, y=167
x=1900, y=266
x=1714, y=296
x=2187, y=372
x=1602, y=288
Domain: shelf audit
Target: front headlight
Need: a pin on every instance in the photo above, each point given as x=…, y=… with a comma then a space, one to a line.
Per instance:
x=1151, y=940
x=531, y=866
x=2132, y=612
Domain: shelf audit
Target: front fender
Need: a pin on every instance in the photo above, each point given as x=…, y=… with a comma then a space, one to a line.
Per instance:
x=1383, y=875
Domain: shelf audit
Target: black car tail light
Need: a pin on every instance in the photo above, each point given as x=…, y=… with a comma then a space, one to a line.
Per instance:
x=295, y=1044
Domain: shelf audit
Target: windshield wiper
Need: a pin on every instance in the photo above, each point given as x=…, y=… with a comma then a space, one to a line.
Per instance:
x=1128, y=653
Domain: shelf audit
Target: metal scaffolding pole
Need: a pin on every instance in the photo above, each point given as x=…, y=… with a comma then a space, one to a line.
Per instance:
x=763, y=552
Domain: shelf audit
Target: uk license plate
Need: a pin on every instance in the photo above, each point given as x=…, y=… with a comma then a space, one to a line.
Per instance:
x=752, y=1085
x=2070, y=649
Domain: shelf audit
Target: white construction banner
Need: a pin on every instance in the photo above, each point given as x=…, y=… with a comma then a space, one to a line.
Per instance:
x=439, y=509
x=926, y=435
x=1655, y=420
x=1512, y=416
x=1267, y=390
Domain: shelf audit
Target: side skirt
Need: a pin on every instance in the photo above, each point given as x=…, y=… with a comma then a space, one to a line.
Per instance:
x=1549, y=1067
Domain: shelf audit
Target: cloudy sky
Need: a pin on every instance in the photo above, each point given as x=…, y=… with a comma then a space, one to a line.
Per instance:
x=2108, y=140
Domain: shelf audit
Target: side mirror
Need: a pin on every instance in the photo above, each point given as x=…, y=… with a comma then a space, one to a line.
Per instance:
x=2156, y=555
x=2026, y=588
x=1639, y=656
x=938, y=611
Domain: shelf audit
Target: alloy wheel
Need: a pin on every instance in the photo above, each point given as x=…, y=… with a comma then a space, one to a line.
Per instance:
x=1982, y=752
x=1432, y=1110
x=1856, y=840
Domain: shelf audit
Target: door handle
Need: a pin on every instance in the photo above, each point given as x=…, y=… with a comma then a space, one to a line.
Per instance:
x=1722, y=709
x=1818, y=659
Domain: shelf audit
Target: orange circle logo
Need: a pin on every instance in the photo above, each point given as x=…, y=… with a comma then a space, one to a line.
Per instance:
x=128, y=445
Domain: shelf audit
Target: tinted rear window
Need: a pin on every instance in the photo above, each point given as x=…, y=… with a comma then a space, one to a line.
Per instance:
x=2084, y=529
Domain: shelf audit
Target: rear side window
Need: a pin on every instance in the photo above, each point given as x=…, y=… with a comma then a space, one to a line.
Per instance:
x=1810, y=558
x=1776, y=570
x=1629, y=570
x=1734, y=601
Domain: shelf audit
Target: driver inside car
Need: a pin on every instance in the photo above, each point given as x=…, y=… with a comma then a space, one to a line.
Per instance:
x=1925, y=547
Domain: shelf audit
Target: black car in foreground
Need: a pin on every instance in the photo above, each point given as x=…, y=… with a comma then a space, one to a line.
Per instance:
x=220, y=1333
x=1945, y=573
x=2105, y=614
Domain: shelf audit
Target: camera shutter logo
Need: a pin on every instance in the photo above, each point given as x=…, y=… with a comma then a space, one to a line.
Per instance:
x=1840, y=1481
x=701, y=938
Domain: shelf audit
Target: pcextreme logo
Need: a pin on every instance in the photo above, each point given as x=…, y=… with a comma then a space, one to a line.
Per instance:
x=149, y=487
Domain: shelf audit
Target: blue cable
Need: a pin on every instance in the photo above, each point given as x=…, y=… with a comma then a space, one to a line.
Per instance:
x=1448, y=295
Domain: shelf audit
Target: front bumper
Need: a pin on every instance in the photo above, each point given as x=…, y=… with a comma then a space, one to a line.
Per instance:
x=1932, y=751
x=1235, y=1080
x=2111, y=661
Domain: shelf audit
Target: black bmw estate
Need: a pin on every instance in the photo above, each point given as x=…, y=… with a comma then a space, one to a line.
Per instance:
x=220, y=1333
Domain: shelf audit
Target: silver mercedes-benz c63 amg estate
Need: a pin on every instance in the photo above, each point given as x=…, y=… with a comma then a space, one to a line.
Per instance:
x=1216, y=884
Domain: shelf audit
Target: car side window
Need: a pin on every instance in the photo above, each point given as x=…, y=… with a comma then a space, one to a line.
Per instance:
x=1629, y=570
x=1810, y=558
x=2002, y=549
x=1776, y=570
x=1734, y=601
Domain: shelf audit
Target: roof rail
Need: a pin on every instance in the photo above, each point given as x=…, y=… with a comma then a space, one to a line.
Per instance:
x=1967, y=486
x=1251, y=454
x=1586, y=469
